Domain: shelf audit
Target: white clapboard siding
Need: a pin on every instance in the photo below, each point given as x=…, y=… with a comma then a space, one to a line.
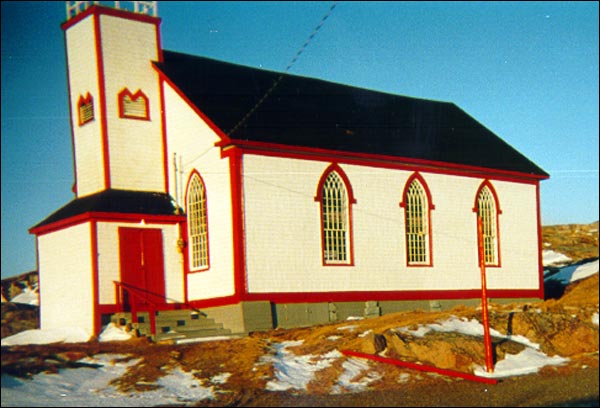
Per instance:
x=136, y=147
x=65, y=274
x=283, y=241
x=83, y=79
x=192, y=146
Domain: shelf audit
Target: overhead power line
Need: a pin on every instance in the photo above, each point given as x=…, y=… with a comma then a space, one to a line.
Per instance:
x=289, y=66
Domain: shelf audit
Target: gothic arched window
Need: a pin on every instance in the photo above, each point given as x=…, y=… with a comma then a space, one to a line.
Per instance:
x=335, y=196
x=487, y=208
x=416, y=201
x=197, y=223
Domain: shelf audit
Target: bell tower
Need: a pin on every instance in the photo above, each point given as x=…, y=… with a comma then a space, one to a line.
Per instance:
x=115, y=96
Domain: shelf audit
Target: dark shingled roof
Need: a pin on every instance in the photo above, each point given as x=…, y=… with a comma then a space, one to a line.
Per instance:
x=115, y=201
x=314, y=113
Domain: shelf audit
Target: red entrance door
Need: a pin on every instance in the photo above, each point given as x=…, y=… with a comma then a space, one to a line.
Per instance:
x=142, y=266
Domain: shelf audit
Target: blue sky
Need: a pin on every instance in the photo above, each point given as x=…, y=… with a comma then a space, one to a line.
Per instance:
x=528, y=71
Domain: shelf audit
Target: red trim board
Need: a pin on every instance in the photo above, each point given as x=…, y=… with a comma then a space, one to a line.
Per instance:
x=421, y=367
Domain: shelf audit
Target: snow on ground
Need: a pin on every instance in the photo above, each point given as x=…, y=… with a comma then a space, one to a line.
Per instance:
x=574, y=273
x=528, y=361
x=550, y=257
x=63, y=335
x=469, y=327
x=292, y=371
x=91, y=386
x=112, y=332
x=28, y=296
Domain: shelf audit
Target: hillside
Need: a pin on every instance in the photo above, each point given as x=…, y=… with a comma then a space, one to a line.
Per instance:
x=577, y=241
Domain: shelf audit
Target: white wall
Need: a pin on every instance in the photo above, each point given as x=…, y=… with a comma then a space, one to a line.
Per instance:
x=82, y=68
x=192, y=142
x=66, y=278
x=135, y=150
x=283, y=241
x=135, y=146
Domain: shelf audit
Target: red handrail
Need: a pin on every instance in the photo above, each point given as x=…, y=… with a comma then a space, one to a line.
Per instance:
x=120, y=287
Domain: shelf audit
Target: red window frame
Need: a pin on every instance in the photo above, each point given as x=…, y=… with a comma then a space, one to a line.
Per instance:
x=133, y=97
x=87, y=100
x=492, y=190
x=319, y=197
x=430, y=206
x=196, y=175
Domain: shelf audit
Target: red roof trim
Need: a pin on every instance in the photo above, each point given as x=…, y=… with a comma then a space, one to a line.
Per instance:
x=381, y=161
x=106, y=217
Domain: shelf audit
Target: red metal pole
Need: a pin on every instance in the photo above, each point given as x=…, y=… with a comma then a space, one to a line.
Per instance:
x=489, y=361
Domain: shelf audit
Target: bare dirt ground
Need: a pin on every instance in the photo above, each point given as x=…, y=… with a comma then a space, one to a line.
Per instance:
x=561, y=326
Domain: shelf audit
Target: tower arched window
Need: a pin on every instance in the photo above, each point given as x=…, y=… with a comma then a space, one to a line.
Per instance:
x=197, y=223
x=335, y=196
x=85, y=109
x=133, y=106
x=417, y=205
x=487, y=209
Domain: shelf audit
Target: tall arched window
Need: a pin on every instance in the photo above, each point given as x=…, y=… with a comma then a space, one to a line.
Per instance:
x=197, y=223
x=335, y=195
x=487, y=209
x=417, y=205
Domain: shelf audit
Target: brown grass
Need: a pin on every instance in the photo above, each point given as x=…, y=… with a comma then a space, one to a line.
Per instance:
x=561, y=326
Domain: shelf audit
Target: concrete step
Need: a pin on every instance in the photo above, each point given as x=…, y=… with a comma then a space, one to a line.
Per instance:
x=173, y=325
x=199, y=329
x=169, y=336
x=187, y=323
x=180, y=313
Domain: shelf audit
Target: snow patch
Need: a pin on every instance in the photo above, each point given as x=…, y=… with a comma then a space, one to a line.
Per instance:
x=574, y=273
x=29, y=296
x=469, y=327
x=550, y=257
x=49, y=336
x=292, y=371
x=114, y=333
x=353, y=368
x=527, y=361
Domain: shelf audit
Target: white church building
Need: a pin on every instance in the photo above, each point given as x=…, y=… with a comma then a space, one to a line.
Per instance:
x=322, y=201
